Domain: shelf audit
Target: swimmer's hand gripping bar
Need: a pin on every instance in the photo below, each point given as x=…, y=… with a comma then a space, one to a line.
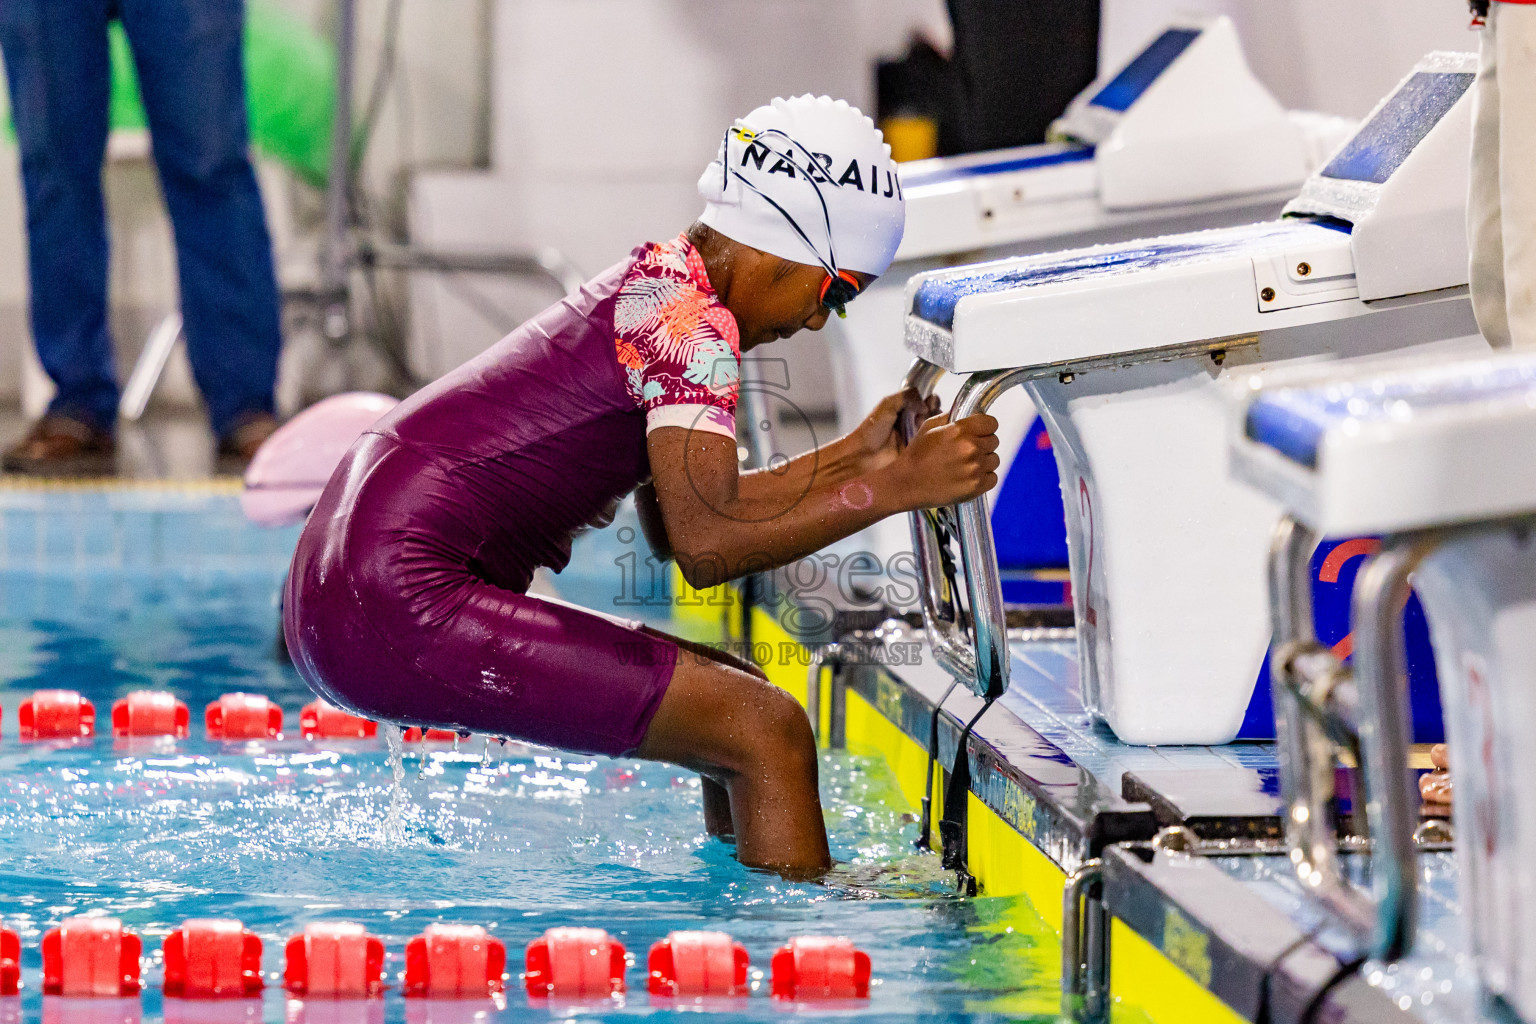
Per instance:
x=977, y=655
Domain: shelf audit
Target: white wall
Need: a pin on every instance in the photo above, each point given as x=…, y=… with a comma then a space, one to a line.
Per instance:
x=1339, y=58
x=437, y=111
x=436, y=115
x=606, y=88
x=568, y=76
x=603, y=115
x=598, y=114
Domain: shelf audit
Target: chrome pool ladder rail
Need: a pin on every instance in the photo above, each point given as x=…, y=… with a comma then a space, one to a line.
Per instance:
x=976, y=654
x=1323, y=706
x=1085, y=993
x=979, y=655
x=938, y=596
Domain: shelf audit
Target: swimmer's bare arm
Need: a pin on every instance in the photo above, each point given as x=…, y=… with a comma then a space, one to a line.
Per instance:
x=873, y=444
x=723, y=524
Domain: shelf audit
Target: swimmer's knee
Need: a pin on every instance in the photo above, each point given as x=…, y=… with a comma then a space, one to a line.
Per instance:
x=786, y=728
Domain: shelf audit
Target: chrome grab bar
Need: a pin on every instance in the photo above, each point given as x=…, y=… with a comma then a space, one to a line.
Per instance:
x=977, y=655
x=1085, y=946
x=1320, y=705
x=978, y=551
x=937, y=590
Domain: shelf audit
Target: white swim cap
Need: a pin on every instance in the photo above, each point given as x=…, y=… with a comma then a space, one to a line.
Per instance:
x=829, y=171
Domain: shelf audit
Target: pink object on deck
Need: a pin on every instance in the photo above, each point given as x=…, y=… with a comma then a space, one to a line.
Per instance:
x=290, y=470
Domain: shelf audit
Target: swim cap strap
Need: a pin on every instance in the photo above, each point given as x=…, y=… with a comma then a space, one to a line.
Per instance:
x=753, y=138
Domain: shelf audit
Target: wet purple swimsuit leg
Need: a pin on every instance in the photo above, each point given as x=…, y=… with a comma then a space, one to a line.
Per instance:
x=406, y=601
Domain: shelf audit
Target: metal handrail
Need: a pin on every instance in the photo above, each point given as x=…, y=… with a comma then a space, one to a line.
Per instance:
x=937, y=595
x=1381, y=674
x=980, y=655
x=1084, y=946
x=978, y=551
x=1319, y=701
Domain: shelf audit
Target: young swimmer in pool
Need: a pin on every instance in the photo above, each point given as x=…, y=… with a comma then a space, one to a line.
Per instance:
x=407, y=599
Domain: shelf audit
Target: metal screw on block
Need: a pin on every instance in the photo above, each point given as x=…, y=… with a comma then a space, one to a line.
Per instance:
x=1268, y=295
x=1067, y=378
x=1303, y=269
x=1433, y=832
x=1176, y=839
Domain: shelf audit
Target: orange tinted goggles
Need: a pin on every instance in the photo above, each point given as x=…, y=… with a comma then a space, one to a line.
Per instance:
x=838, y=291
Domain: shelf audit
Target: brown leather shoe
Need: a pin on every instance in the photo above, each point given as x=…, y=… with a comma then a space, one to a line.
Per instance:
x=62, y=446
x=238, y=447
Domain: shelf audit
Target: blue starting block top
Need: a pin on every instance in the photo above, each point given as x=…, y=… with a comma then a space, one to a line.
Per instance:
x=1004, y=165
x=938, y=296
x=1134, y=79
x=1400, y=124
x=1295, y=421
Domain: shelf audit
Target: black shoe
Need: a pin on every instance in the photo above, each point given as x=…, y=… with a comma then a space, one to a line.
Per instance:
x=238, y=447
x=62, y=446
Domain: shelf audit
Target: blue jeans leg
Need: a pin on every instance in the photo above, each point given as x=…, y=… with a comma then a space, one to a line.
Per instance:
x=192, y=76
x=57, y=67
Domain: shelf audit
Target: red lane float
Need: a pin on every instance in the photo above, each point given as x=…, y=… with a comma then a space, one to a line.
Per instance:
x=211, y=958
x=575, y=963
x=319, y=720
x=336, y=960
x=57, y=715
x=150, y=713
x=415, y=735
x=815, y=967
x=697, y=964
x=243, y=716
x=90, y=956
x=449, y=961
x=10, y=962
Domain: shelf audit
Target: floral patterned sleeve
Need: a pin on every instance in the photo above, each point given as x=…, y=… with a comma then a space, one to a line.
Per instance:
x=679, y=347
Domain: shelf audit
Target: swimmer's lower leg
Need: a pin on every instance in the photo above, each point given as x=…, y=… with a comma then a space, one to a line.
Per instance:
x=737, y=727
x=777, y=809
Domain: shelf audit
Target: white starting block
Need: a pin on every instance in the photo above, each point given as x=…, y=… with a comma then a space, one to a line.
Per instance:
x=1183, y=137
x=1125, y=348
x=1183, y=122
x=1441, y=460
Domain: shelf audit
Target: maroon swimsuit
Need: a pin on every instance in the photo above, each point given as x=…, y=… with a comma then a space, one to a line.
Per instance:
x=406, y=599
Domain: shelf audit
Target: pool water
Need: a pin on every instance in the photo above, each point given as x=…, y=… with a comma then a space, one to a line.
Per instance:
x=110, y=591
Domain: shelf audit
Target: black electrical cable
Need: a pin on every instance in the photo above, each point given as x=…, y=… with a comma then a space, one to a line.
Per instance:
x=925, y=826
x=955, y=823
